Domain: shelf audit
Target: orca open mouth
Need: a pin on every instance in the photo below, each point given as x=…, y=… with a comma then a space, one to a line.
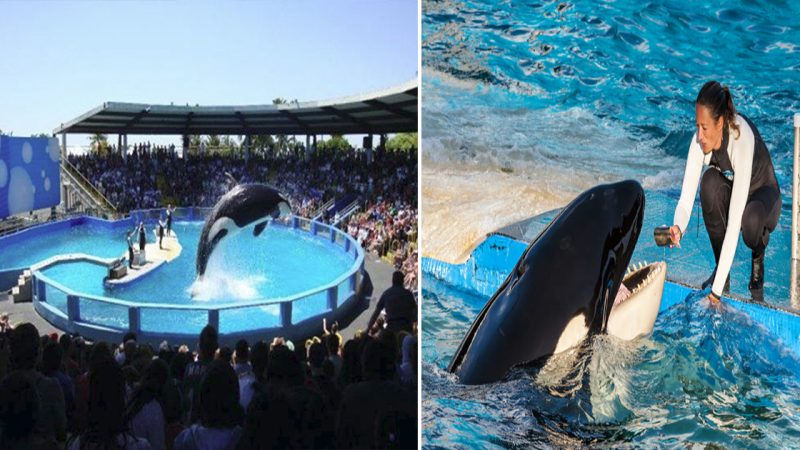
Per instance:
x=637, y=278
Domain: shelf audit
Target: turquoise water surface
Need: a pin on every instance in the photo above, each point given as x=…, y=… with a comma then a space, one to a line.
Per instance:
x=557, y=97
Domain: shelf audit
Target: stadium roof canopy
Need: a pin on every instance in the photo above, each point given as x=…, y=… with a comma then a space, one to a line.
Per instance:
x=391, y=110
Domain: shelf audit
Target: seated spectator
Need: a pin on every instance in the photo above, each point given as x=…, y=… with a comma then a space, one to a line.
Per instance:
x=145, y=410
x=220, y=414
x=51, y=367
x=107, y=427
x=244, y=371
x=268, y=423
x=373, y=398
x=51, y=421
x=408, y=366
x=194, y=371
x=19, y=411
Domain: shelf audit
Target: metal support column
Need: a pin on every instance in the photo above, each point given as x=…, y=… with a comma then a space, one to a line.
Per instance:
x=65, y=200
x=795, y=210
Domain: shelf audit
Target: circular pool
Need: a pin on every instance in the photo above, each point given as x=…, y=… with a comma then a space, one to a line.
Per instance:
x=282, y=282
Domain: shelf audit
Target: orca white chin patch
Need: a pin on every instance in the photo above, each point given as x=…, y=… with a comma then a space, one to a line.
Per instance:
x=636, y=307
x=575, y=331
x=223, y=223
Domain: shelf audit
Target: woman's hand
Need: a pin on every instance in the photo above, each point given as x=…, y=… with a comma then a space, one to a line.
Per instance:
x=675, y=235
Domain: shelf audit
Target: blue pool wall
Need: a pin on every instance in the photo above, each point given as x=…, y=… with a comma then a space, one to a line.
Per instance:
x=493, y=259
x=340, y=307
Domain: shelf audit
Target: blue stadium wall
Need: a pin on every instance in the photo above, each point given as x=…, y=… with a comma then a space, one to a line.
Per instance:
x=29, y=174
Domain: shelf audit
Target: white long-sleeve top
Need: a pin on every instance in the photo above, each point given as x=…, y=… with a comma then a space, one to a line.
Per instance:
x=740, y=152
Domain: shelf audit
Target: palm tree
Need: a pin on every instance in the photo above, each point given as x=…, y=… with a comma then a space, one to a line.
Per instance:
x=281, y=141
x=99, y=142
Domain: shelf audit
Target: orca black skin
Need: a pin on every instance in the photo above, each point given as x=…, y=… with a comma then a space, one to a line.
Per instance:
x=243, y=205
x=573, y=268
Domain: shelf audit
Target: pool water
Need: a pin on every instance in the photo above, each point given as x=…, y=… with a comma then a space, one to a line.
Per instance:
x=703, y=377
x=88, y=238
x=243, y=269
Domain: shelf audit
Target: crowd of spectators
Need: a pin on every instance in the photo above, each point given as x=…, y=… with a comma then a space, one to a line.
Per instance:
x=63, y=392
x=384, y=182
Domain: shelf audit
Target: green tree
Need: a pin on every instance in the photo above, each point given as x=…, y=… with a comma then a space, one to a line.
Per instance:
x=403, y=142
x=261, y=142
x=41, y=135
x=99, y=143
x=281, y=141
x=228, y=146
x=336, y=143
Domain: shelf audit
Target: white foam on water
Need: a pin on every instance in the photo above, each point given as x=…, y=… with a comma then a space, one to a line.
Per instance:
x=485, y=168
x=461, y=207
x=221, y=285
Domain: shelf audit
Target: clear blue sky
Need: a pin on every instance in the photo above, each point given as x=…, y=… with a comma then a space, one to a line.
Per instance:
x=60, y=59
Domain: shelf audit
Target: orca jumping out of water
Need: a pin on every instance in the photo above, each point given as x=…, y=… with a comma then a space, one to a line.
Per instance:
x=570, y=282
x=242, y=206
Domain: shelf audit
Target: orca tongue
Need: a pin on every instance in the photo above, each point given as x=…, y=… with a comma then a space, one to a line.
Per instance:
x=259, y=228
x=622, y=294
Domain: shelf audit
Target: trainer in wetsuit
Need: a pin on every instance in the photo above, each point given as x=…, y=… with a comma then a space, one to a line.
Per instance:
x=160, y=233
x=170, y=209
x=130, y=249
x=142, y=238
x=400, y=306
x=739, y=191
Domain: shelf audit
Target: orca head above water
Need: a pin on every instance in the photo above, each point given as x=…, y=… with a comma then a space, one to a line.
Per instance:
x=246, y=205
x=565, y=286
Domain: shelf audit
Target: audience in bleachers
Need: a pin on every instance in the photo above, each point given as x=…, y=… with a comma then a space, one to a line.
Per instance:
x=386, y=188
x=361, y=394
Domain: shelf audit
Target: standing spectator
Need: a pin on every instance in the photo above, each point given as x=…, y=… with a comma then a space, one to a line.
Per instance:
x=400, y=306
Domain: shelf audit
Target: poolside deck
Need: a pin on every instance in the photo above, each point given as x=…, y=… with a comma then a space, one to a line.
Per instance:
x=156, y=256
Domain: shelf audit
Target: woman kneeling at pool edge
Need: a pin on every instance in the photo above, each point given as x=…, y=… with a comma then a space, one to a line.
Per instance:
x=739, y=191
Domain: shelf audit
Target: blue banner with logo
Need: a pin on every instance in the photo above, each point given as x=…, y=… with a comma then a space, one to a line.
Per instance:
x=29, y=174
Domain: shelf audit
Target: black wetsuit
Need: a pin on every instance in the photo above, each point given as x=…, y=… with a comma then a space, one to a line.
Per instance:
x=142, y=239
x=160, y=234
x=763, y=208
x=169, y=222
x=130, y=253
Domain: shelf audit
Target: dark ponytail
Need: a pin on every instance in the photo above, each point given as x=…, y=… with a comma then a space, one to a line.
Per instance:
x=719, y=101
